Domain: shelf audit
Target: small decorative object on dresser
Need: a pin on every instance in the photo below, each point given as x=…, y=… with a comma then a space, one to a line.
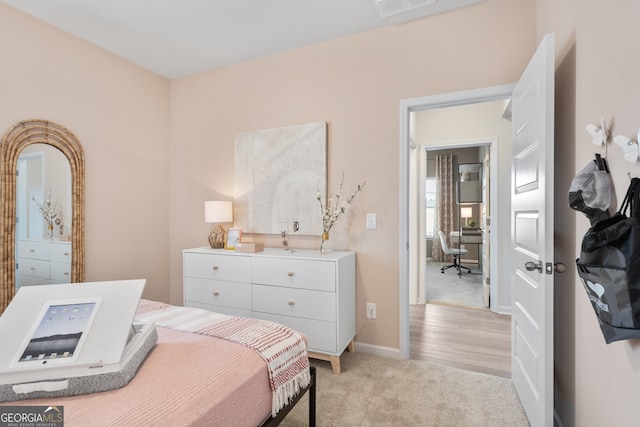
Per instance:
x=311, y=293
x=330, y=214
x=233, y=238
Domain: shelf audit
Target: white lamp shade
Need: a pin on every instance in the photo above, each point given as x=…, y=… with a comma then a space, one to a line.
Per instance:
x=466, y=212
x=218, y=211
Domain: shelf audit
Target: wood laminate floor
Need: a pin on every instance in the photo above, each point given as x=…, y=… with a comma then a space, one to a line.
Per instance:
x=467, y=338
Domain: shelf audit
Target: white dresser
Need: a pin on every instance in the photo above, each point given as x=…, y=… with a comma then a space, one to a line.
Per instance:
x=41, y=262
x=310, y=292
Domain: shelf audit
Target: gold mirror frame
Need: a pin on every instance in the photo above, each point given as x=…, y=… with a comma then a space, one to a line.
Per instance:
x=14, y=141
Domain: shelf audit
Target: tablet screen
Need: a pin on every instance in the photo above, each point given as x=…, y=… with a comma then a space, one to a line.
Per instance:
x=60, y=331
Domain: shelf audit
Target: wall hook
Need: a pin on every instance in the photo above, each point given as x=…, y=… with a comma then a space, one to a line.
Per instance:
x=629, y=146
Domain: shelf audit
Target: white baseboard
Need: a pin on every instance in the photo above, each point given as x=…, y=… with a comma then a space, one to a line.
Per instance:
x=377, y=350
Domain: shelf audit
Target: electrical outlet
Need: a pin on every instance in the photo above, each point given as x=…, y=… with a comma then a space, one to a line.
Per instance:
x=371, y=310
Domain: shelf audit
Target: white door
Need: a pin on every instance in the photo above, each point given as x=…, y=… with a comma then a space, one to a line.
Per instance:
x=532, y=236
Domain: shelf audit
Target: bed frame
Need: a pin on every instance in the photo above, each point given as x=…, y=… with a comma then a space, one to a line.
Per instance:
x=274, y=421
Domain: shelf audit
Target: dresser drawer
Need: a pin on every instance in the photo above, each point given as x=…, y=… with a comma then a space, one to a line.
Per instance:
x=33, y=249
x=219, y=267
x=60, y=252
x=218, y=292
x=303, y=303
x=34, y=267
x=60, y=272
x=321, y=336
x=26, y=280
x=297, y=273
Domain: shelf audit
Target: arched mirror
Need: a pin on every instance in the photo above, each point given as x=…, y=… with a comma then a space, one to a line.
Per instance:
x=50, y=200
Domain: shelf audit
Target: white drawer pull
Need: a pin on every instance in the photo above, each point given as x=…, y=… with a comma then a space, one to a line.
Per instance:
x=291, y=274
x=291, y=302
x=215, y=267
x=216, y=293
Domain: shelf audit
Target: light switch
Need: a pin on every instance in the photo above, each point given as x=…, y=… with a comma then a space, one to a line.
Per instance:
x=371, y=221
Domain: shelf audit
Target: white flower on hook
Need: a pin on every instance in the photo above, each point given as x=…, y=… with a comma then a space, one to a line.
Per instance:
x=599, y=134
x=629, y=147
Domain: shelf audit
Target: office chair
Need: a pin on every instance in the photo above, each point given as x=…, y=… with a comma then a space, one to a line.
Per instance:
x=455, y=253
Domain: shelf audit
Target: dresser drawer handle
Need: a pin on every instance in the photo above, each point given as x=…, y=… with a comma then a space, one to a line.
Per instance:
x=216, y=293
x=291, y=274
x=215, y=268
x=32, y=250
x=291, y=302
x=33, y=269
x=66, y=273
x=66, y=254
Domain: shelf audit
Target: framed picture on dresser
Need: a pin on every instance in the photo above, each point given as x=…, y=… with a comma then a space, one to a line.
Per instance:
x=233, y=238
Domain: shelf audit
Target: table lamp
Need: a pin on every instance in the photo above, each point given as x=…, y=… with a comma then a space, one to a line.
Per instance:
x=466, y=213
x=218, y=212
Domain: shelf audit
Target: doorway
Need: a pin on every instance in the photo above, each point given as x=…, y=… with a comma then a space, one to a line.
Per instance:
x=457, y=216
x=410, y=255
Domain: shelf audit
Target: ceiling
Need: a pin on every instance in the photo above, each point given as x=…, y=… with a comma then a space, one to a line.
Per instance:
x=179, y=38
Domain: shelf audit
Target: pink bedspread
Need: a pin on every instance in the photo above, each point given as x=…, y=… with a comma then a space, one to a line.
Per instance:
x=187, y=380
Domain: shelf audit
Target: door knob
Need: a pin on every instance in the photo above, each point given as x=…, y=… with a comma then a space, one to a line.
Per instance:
x=559, y=267
x=530, y=266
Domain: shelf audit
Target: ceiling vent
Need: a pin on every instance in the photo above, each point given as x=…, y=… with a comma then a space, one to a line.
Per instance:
x=388, y=8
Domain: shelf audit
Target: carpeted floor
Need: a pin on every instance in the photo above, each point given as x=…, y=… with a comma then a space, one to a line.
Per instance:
x=451, y=289
x=377, y=391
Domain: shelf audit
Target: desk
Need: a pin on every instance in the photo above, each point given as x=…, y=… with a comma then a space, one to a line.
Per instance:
x=469, y=237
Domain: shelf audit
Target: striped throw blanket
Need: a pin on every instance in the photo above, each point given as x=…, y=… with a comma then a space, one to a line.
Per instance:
x=283, y=349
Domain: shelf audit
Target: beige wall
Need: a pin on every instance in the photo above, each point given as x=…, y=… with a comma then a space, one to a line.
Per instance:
x=597, y=76
x=120, y=114
x=355, y=84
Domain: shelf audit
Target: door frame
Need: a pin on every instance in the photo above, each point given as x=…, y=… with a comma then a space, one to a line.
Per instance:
x=452, y=99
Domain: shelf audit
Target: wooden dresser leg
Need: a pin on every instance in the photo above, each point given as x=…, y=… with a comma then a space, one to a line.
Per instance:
x=352, y=346
x=335, y=364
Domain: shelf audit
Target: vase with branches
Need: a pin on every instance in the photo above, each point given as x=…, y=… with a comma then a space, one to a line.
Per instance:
x=48, y=211
x=333, y=209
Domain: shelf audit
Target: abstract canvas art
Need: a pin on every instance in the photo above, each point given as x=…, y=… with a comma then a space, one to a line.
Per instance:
x=277, y=176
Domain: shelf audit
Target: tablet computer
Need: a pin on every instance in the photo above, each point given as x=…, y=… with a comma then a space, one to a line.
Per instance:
x=58, y=333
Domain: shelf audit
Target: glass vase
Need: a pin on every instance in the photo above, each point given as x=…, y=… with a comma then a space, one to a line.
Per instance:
x=325, y=246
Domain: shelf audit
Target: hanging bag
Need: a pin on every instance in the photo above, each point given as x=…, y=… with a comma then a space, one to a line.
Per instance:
x=609, y=267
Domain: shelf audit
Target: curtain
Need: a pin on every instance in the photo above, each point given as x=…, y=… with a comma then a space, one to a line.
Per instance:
x=445, y=203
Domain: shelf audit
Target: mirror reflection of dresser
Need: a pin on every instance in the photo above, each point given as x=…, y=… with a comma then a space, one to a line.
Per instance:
x=42, y=262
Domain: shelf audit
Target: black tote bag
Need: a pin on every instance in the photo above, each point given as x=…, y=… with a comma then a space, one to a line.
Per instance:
x=609, y=267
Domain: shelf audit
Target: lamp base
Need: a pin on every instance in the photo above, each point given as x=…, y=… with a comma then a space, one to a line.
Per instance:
x=217, y=236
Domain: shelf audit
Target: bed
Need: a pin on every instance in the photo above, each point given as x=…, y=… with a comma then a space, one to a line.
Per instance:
x=206, y=369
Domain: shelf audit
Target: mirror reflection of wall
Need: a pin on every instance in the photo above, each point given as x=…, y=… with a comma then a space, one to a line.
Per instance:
x=44, y=175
